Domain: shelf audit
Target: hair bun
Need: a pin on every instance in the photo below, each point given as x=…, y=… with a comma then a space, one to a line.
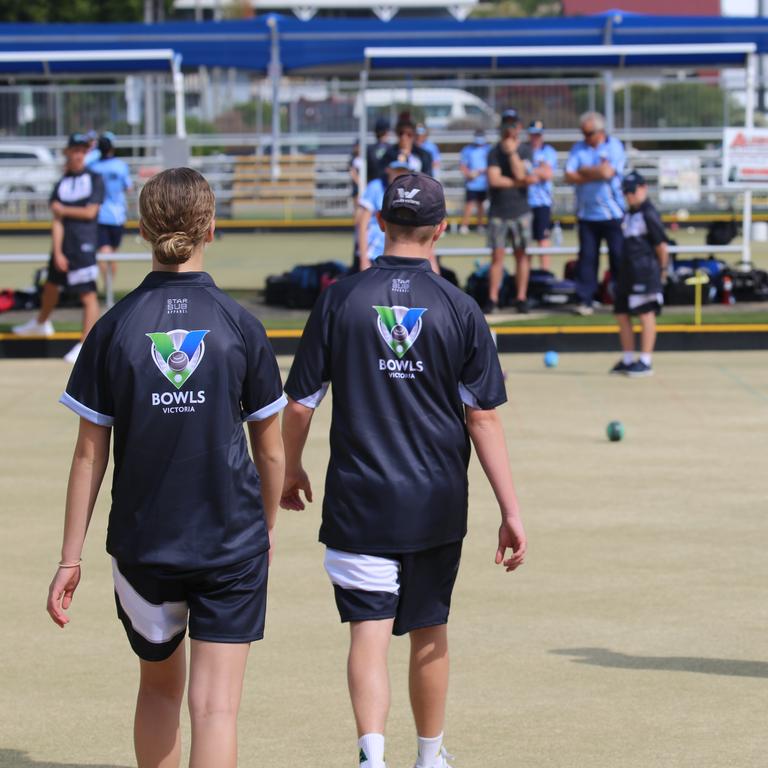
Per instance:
x=173, y=247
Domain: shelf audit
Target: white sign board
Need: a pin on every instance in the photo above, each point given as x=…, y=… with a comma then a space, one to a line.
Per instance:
x=679, y=180
x=745, y=157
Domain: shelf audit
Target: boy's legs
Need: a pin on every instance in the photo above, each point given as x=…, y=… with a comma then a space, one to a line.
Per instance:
x=48, y=301
x=428, y=688
x=626, y=334
x=90, y=303
x=156, y=725
x=216, y=674
x=648, y=333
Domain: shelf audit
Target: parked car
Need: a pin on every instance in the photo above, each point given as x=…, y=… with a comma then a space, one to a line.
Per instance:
x=27, y=175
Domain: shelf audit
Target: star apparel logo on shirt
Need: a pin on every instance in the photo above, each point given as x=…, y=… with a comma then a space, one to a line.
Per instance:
x=399, y=326
x=177, y=353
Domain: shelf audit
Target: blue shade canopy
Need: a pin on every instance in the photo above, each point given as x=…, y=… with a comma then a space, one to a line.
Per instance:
x=325, y=45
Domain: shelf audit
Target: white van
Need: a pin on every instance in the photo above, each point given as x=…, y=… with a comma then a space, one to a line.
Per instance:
x=442, y=107
x=27, y=171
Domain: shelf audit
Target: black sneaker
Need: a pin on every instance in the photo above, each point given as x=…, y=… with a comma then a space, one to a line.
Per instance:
x=490, y=308
x=638, y=369
x=523, y=307
x=621, y=368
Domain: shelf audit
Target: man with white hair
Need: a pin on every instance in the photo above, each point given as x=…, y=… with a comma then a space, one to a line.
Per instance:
x=595, y=165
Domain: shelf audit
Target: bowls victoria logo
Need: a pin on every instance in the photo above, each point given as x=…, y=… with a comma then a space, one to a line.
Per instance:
x=399, y=326
x=177, y=353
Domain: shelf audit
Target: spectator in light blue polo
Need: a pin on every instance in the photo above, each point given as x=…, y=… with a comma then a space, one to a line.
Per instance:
x=113, y=211
x=423, y=141
x=544, y=165
x=473, y=162
x=370, y=236
x=595, y=165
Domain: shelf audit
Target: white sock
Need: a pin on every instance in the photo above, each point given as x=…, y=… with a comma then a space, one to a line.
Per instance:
x=645, y=359
x=429, y=749
x=628, y=358
x=371, y=750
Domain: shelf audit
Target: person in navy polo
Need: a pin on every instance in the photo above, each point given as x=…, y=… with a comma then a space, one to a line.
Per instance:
x=595, y=166
x=415, y=378
x=174, y=370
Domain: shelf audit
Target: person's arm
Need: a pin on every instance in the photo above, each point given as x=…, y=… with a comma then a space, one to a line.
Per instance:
x=662, y=253
x=362, y=219
x=269, y=458
x=81, y=212
x=297, y=419
x=85, y=475
x=57, y=245
x=487, y=436
x=543, y=171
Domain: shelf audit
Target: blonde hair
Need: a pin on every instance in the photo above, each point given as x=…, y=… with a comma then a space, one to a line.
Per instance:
x=176, y=208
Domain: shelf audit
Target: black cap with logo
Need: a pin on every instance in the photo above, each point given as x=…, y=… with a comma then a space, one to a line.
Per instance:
x=414, y=200
x=78, y=140
x=631, y=182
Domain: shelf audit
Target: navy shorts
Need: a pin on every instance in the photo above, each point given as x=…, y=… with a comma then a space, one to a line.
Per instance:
x=621, y=306
x=414, y=588
x=110, y=235
x=541, y=223
x=476, y=195
x=221, y=605
x=76, y=279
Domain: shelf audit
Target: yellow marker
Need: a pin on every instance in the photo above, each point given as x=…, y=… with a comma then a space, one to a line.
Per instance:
x=701, y=278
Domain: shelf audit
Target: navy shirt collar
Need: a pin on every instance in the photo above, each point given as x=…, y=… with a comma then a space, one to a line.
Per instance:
x=156, y=278
x=402, y=262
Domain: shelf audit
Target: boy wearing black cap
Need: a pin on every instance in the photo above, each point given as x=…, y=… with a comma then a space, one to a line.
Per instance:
x=74, y=202
x=415, y=376
x=642, y=272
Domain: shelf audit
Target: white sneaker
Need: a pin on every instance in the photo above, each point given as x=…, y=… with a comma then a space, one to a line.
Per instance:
x=71, y=356
x=463, y=230
x=441, y=761
x=33, y=328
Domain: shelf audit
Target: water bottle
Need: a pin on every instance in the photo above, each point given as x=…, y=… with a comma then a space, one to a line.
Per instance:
x=557, y=235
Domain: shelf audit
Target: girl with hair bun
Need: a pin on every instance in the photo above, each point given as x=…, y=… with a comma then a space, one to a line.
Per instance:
x=174, y=370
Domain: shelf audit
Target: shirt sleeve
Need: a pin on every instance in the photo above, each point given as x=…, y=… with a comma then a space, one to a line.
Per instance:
x=493, y=157
x=464, y=157
x=97, y=189
x=655, y=226
x=573, y=163
x=310, y=373
x=262, y=395
x=550, y=158
x=616, y=156
x=482, y=380
x=88, y=391
x=54, y=193
x=127, y=182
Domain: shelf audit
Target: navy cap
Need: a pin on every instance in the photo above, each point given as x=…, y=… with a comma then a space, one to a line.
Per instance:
x=78, y=140
x=536, y=127
x=106, y=142
x=632, y=181
x=510, y=116
x=382, y=125
x=414, y=200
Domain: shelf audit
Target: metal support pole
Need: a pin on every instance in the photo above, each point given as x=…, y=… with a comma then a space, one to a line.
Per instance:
x=275, y=73
x=363, y=131
x=109, y=288
x=749, y=123
x=610, y=112
x=178, y=92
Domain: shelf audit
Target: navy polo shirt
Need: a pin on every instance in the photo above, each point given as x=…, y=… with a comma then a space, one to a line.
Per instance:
x=175, y=368
x=402, y=350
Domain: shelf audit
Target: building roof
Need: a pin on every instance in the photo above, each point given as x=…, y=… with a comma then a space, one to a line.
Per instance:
x=648, y=7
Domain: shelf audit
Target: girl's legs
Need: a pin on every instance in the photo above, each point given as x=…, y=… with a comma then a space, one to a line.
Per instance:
x=216, y=672
x=156, y=736
x=367, y=674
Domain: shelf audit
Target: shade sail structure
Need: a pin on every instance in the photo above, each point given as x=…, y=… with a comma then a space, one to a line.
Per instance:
x=46, y=62
x=325, y=45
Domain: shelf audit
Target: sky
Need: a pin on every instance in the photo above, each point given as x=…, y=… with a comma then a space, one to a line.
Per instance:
x=740, y=7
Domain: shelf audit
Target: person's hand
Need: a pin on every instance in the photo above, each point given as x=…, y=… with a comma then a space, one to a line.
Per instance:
x=295, y=482
x=61, y=262
x=664, y=276
x=511, y=536
x=57, y=209
x=61, y=592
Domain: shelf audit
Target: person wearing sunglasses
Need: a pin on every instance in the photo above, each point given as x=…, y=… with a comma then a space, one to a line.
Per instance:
x=595, y=166
x=419, y=159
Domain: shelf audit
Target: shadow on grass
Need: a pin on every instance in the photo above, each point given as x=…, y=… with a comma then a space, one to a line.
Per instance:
x=15, y=758
x=602, y=657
